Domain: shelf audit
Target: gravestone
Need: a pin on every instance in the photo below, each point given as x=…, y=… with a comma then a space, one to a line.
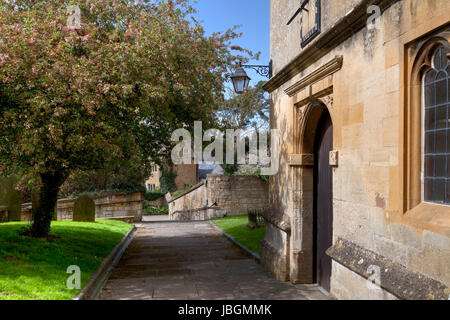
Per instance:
x=11, y=198
x=84, y=210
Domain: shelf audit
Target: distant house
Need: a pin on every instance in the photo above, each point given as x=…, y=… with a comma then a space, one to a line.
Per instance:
x=186, y=175
x=153, y=182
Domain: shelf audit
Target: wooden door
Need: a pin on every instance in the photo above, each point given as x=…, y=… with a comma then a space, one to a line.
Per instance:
x=323, y=203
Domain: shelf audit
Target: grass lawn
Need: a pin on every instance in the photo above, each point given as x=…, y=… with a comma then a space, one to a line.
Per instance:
x=236, y=227
x=36, y=268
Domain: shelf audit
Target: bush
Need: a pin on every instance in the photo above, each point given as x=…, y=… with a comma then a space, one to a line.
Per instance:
x=127, y=178
x=152, y=196
x=167, y=181
x=178, y=192
x=256, y=173
x=155, y=210
x=230, y=169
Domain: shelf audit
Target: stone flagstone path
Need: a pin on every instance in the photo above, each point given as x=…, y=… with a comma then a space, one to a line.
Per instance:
x=192, y=260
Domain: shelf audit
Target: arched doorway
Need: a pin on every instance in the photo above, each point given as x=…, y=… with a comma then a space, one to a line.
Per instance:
x=323, y=200
x=312, y=187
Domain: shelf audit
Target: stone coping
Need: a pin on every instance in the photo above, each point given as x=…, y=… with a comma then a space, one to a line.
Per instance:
x=394, y=277
x=65, y=201
x=98, y=280
x=228, y=177
x=116, y=193
x=277, y=219
x=198, y=185
x=195, y=210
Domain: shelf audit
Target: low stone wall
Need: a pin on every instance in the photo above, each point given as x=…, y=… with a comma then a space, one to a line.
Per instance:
x=220, y=196
x=237, y=194
x=10, y=197
x=120, y=206
x=195, y=199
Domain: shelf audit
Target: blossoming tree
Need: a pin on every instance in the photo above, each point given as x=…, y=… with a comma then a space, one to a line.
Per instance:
x=94, y=83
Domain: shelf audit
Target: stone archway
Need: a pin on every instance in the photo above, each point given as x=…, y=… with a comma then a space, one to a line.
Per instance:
x=307, y=118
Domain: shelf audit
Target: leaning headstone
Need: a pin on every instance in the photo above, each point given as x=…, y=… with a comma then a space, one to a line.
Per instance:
x=11, y=198
x=84, y=210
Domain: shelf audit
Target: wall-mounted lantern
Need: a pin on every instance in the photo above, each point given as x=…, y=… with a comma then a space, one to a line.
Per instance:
x=241, y=80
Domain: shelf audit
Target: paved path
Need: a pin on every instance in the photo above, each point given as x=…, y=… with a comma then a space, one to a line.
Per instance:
x=192, y=260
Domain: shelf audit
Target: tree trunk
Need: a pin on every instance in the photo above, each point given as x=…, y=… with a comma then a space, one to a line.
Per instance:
x=47, y=201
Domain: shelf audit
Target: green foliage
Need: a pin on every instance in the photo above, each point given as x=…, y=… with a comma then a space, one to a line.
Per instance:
x=126, y=178
x=152, y=196
x=155, y=210
x=115, y=89
x=237, y=228
x=84, y=209
x=247, y=110
x=35, y=269
x=178, y=192
x=254, y=173
x=230, y=169
x=11, y=198
x=167, y=180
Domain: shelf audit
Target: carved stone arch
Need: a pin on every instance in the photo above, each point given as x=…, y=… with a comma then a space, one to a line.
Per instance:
x=311, y=114
x=424, y=55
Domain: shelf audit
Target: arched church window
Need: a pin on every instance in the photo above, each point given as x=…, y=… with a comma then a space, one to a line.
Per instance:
x=436, y=89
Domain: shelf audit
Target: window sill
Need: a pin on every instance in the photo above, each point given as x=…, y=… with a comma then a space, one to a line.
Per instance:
x=430, y=216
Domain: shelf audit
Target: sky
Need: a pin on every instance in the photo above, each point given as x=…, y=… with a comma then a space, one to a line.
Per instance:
x=252, y=15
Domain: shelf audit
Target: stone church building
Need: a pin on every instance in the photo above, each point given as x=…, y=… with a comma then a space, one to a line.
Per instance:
x=361, y=99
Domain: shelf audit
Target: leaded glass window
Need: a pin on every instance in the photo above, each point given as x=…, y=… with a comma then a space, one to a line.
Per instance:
x=436, y=171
